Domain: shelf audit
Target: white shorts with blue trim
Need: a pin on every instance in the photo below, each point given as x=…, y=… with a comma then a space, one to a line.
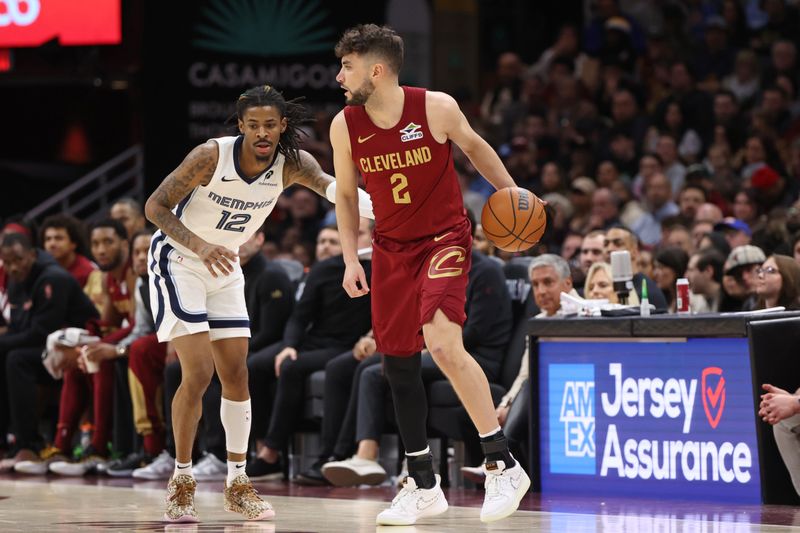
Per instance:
x=186, y=299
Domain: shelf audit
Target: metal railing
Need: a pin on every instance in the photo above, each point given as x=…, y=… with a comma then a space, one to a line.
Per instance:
x=90, y=197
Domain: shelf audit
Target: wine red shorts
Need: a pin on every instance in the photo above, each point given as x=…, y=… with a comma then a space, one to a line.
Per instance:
x=411, y=280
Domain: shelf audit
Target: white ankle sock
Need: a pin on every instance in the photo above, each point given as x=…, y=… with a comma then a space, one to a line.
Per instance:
x=423, y=452
x=235, y=469
x=183, y=469
x=492, y=432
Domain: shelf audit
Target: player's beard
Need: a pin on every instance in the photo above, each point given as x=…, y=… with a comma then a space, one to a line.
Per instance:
x=265, y=158
x=361, y=95
x=111, y=265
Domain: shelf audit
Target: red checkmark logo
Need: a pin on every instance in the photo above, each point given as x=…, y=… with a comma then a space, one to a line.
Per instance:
x=713, y=396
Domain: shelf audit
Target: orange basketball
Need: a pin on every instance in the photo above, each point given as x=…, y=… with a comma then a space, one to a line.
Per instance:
x=513, y=219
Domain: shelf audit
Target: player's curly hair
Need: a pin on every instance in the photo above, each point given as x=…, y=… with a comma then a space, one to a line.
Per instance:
x=74, y=228
x=296, y=115
x=382, y=41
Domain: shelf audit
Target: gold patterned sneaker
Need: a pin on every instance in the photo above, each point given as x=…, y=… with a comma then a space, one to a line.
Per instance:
x=180, y=499
x=242, y=498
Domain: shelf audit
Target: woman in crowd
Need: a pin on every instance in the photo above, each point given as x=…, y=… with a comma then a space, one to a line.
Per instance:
x=778, y=283
x=670, y=264
x=745, y=207
x=600, y=285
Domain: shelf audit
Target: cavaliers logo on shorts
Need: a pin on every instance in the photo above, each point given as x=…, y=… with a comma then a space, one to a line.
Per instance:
x=447, y=262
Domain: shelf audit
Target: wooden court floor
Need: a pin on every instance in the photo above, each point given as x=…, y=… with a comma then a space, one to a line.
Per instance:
x=52, y=504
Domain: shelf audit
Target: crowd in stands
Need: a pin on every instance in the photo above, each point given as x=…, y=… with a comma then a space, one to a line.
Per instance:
x=671, y=131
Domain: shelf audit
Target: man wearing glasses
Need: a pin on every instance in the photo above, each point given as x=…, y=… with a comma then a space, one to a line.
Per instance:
x=621, y=238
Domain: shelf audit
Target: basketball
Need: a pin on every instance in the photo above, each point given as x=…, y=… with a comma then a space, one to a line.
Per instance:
x=513, y=219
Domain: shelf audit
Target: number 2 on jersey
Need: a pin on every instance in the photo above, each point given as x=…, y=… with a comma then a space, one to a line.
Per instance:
x=236, y=222
x=400, y=183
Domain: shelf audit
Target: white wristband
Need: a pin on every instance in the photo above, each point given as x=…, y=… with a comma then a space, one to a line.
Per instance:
x=364, y=201
x=330, y=192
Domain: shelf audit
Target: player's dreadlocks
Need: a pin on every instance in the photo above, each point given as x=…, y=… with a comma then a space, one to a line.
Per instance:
x=296, y=116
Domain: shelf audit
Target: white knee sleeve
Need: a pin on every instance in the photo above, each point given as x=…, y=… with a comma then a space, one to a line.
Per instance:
x=236, y=421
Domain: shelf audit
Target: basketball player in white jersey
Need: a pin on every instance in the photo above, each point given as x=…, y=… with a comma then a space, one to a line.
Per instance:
x=205, y=209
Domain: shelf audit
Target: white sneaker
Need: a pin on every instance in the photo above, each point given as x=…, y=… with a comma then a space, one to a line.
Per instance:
x=413, y=503
x=161, y=468
x=86, y=465
x=353, y=472
x=210, y=468
x=40, y=466
x=505, y=488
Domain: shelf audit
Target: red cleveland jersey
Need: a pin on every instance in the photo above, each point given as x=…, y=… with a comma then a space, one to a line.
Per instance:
x=122, y=296
x=81, y=268
x=124, y=303
x=408, y=174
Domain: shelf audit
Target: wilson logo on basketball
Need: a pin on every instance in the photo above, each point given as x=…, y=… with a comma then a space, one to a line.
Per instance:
x=713, y=396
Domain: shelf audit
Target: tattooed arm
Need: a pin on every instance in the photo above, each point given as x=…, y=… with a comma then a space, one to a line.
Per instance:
x=196, y=170
x=309, y=174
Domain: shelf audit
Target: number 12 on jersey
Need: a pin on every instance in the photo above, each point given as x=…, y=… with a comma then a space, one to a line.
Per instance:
x=236, y=223
x=400, y=182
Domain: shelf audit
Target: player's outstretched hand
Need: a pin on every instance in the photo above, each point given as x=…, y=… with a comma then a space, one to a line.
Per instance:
x=217, y=258
x=355, y=280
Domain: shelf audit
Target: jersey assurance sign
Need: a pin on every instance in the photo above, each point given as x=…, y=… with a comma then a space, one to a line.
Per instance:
x=651, y=419
x=73, y=23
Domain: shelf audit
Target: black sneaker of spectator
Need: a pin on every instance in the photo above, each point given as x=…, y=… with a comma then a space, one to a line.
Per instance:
x=260, y=469
x=313, y=474
x=125, y=466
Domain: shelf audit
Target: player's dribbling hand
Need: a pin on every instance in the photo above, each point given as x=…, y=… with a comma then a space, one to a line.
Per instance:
x=217, y=257
x=355, y=280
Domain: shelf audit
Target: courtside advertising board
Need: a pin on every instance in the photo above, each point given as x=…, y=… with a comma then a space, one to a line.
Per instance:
x=665, y=419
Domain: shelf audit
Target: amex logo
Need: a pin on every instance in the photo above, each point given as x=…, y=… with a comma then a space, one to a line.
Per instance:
x=572, y=418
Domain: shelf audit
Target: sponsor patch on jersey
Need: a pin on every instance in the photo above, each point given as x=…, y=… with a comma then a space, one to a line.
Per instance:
x=265, y=179
x=410, y=133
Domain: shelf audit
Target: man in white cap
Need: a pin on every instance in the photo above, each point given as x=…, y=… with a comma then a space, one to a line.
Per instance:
x=739, y=280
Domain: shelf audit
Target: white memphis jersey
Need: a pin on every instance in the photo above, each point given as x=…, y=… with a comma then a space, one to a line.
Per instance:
x=230, y=209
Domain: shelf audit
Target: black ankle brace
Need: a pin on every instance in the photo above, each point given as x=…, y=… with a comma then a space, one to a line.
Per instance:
x=495, y=448
x=420, y=468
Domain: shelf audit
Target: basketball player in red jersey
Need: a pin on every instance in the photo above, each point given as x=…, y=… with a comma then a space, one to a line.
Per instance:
x=399, y=139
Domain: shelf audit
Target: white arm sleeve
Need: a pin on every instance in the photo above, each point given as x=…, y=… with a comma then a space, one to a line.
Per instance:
x=364, y=201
